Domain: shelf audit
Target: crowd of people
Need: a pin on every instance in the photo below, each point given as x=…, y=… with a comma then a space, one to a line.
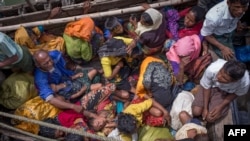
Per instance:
x=163, y=76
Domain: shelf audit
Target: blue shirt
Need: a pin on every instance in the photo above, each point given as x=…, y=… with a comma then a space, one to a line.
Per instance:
x=44, y=79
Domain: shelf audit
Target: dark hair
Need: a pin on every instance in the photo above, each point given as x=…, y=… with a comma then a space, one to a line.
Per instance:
x=199, y=13
x=90, y=122
x=111, y=23
x=243, y=2
x=73, y=137
x=201, y=137
x=127, y=123
x=47, y=131
x=235, y=69
x=146, y=18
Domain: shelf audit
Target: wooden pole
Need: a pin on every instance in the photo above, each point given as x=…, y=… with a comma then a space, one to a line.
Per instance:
x=94, y=15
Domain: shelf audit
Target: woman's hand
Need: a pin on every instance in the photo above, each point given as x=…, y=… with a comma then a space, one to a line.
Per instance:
x=227, y=53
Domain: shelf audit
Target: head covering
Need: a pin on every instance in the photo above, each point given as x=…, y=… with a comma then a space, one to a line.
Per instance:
x=113, y=47
x=47, y=131
x=186, y=46
x=38, y=30
x=182, y=132
x=156, y=17
x=111, y=23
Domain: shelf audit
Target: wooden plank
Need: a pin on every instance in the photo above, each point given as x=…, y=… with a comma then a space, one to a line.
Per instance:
x=68, y=11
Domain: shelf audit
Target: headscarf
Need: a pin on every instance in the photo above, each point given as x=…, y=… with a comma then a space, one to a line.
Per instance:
x=156, y=17
x=38, y=30
x=186, y=46
x=113, y=47
x=182, y=132
x=47, y=131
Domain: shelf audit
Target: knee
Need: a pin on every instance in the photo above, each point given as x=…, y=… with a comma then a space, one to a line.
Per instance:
x=197, y=111
x=155, y=112
x=183, y=115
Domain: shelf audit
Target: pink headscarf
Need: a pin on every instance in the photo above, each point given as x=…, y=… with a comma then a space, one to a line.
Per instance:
x=186, y=46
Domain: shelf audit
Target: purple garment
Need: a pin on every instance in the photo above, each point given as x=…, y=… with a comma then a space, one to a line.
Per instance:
x=175, y=67
x=172, y=16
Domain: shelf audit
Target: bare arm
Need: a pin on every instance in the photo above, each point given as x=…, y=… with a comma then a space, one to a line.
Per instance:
x=79, y=93
x=8, y=61
x=227, y=53
x=64, y=105
x=206, y=93
x=116, y=70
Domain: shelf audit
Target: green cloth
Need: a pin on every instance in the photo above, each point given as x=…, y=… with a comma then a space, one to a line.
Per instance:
x=148, y=133
x=77, y=48
x=16, y=90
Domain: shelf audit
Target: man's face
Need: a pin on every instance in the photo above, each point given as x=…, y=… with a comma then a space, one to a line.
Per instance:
x=237, y=9
x=223, y=77
x=45, y=63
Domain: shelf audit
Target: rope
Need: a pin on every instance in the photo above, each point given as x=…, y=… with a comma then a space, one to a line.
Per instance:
x=25, y=133
x=68, y=130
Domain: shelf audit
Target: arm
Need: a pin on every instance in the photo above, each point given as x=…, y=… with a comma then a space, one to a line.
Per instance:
x=207, y=93
x=64, y=105
x=8, y=61
x=89, y=114
x=116, y=70
x=79, y=93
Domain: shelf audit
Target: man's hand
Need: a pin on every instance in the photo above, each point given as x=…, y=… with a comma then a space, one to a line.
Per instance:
x=227, y=53
x=214, y=114
x=54, y=12
x=77, y=108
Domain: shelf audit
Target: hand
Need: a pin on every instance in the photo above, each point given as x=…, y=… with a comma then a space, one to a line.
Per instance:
x=214, y=114
x=120, y=64
x=86, y=6
x=204, y=114
x=77, y=108
x=145, y=6
x=167, y=117
x=184, y=61
x=130, y=47
x=227, y=53
x=54, y=12
x=241, y=26
x=80, y=74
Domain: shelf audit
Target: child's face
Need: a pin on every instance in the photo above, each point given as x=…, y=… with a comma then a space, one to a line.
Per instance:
x=118, y=29
x=189, y=20
x=99, y=122
x=223, y=77
x=59, y=134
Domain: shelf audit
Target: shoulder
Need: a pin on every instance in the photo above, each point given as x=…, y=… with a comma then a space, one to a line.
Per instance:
x=216, y=13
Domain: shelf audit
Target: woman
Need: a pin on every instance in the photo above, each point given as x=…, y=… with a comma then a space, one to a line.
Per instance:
x=184, y=23
x=183, y=52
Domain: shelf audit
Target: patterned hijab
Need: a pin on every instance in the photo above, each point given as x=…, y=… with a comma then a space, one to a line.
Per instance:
x=112, y=47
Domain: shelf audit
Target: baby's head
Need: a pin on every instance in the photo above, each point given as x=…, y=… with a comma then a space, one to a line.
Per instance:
x=51, y=132
x=97, y=123
x=127, y=123
x=195, y=15
x=113, y=24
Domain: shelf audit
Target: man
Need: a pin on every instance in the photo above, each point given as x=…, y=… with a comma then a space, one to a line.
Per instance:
x=222, y=82
x=14, y=57
x=221, y=20
x=51, y=69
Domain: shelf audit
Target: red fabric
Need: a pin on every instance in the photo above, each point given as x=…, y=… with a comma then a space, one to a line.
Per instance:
x=102, y=105
x=149, y=119
x=183, y=12
x=191, y=31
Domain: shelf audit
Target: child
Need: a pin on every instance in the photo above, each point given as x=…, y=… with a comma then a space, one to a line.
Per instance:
x=80, y=83
x=221, y=83
x=132, y=117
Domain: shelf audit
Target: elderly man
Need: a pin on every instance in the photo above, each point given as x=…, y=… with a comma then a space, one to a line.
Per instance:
x=51, y=70
x=221, y=20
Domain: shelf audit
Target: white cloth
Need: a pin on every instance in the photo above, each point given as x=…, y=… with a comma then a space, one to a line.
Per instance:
x=209, y=80
x=116, y=135
x=182, y=102
x=219, y=20
x=182, y=133
x=156, y=17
